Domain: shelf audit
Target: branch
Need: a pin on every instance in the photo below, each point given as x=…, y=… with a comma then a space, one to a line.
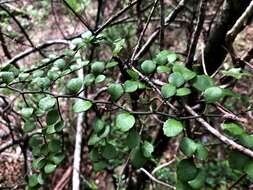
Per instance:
x=156, y=32
x=156, y=180
x=78, y=16
x=221, y=137
x=78, y=145
x=34, y=49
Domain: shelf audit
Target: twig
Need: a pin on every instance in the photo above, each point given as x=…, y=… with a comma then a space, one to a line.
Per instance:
x=221, y=137
x=34, y=49
x=113, y=17
x=21, y=28
x=64, y=180
x=156, y=180
x=196, y=33
x=78, y=16
x=156, y=32
x=162, y=166
x=237, y=181
x=143, y=32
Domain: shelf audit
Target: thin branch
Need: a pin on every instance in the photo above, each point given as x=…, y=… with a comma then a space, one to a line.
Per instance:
x=156, y=180
x=143, y=32
x=196, y=33
x=34, y=49
x=156, y=32
x=21, y=28
x=237, y=181
x=78, y=16
x=221, y=137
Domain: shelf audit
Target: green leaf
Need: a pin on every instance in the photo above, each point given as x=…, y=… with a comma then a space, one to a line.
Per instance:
x=47, y=103
x=54, y=145
x=116, y=91
x=246, y=140
x=60, y=63
x=100, y=78
x=59, y=125
x=77, y=42
x=201, y=152
x=27, y=112
x=133, y=139
x=87, y=36
x=49, y=168
x=74, y=85
x=203, y=82
x=98, y=125
x=50, y=129
x=97, y=67
x=111, y=64
x=172, y=127
x=33, y=180
x=186, y=170
x=183, y=91
x=176, y=79
x=187, y=74
x=52, y=117
x=163, y=69
x=53, y=75
x=125, y=121
x=81, y=106
x=109, y=152
x=199, y=181
x=147, y=149
x=42, y=82
x=98, y=166
x=39, y=163
x=148, y=66
x=162, y=57
x=249, y=169
x=137, y=158
x=7, y=77
x=188, y=146
x=131, y=86
x=134, y=75
x=88, y=79
x=40, y=179
x=168, y=90
x=94, y=139
x=233, y=128
x=235, y=73
x=119, y=44
x=56, y=158
x=172, y=57
x=213, y=94
x=29, y=126
x=237, y=160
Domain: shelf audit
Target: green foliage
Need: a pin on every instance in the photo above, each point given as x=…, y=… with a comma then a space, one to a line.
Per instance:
x=172, y=127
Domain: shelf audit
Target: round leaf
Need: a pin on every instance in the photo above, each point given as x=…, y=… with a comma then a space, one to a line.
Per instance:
x=213, y=94
x=47, y=103
x=116, y=91
x=148, y=66
x=188, y=146
x=172, y=127
x=168, y=90
x=176, y=79
x=81, y=106
x=125, y=121
x=74, y=85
